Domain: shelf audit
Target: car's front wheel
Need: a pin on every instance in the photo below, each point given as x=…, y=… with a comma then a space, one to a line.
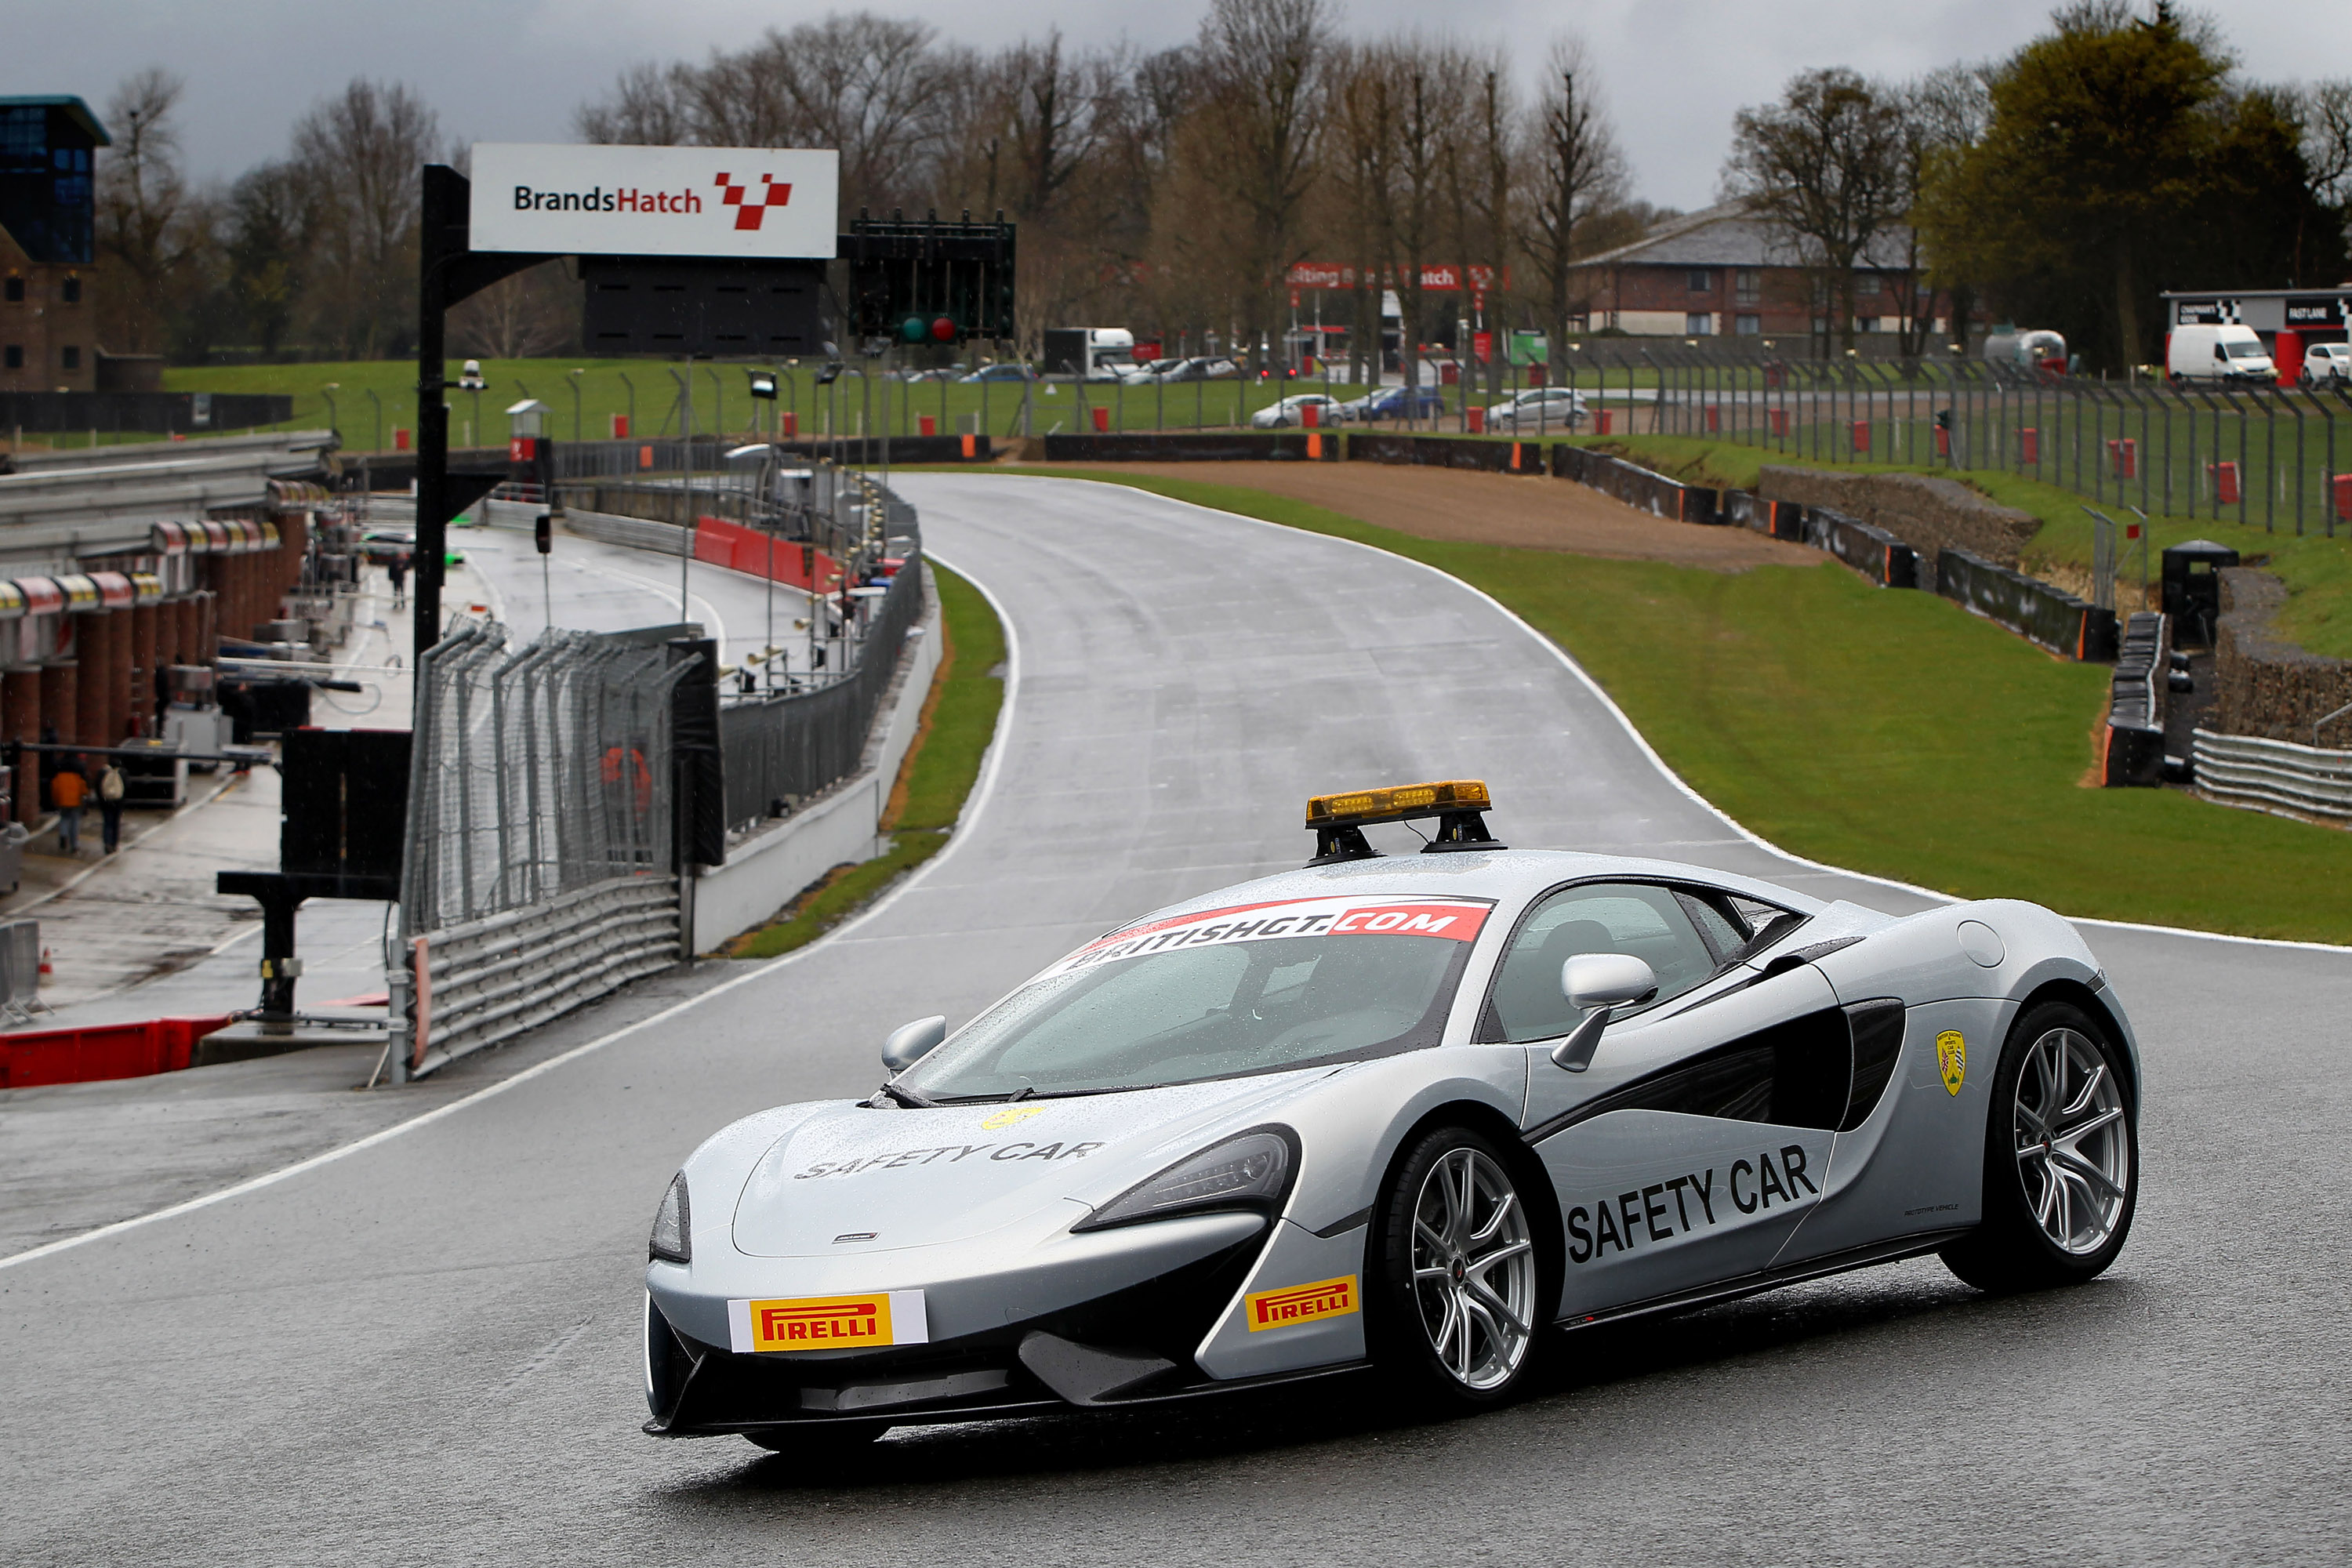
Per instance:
x=2062, y=1158
x=1455, y=1293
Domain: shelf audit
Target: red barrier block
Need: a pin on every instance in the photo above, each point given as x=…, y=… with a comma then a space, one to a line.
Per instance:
x=1478, y=422
x=1943, y=442
x=1714, y=417
x=620, y=427
x=1779, y=419
x=1311, y=416
x=2225, y=482
x=1602, y=422
x=94, y=1052
x=399, y=438
x=1102, y=421
x=2124, y=457
x=1862, y=435
x=2343, y=488
x=930, y=425
x=2029, y=446
x=792, y=423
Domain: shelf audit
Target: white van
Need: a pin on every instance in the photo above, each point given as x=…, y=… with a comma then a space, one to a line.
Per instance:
x=2230, y=353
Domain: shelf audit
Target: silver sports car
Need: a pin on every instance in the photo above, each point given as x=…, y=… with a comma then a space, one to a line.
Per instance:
x=1409, y=1114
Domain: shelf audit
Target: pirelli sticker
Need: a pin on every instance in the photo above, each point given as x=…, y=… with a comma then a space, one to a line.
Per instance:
x=1449, y=919
x=1296, y=1304
x=828, y=1323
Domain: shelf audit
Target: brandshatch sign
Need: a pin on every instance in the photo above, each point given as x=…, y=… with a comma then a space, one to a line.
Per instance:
x=743, y=203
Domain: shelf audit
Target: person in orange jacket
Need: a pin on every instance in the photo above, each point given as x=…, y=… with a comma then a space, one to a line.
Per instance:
x=67, y=792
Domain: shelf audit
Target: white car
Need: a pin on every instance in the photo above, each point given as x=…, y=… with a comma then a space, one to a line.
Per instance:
x=2327, y=365
x=1281, y=415
x=1427, y=1116
x=1150, y=370
x=1539, y=408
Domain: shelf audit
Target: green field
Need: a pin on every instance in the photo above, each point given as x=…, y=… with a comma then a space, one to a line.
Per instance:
x=1891, y=733
x=942, y=765
x=2318, y=569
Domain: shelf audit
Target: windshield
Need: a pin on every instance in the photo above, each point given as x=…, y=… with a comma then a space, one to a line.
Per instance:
x=2246, y=349
x=1220, y=994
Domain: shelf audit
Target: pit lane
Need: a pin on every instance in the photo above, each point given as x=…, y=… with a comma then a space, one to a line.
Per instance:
x=427, y=1350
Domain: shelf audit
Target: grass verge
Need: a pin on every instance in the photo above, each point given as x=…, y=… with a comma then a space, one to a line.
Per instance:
x=1890, y=732
x=942, y=764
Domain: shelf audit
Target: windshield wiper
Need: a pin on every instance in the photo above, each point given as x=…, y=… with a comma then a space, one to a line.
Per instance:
x=908, y=1098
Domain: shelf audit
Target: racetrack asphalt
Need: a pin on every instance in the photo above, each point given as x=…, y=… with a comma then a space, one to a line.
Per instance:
x=427, y=1350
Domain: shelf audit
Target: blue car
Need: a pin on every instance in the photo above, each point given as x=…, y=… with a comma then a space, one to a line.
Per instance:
x=1399, y=403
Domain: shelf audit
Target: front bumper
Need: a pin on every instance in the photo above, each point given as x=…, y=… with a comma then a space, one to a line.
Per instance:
x=1129, y=1345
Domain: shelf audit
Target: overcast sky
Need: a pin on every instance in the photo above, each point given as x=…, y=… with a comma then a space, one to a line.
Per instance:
x=513, y=70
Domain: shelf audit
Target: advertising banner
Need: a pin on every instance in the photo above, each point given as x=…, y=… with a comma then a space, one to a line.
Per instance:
x=742, y=203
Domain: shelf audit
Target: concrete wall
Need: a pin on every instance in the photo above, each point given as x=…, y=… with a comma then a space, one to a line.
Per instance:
x=2263, y=686
x=1922, y=510
x=766, y=870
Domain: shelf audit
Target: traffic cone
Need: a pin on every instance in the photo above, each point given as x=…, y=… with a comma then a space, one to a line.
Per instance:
x=45, y=961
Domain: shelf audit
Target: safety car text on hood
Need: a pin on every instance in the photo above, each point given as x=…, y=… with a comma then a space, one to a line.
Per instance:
x=1453, y=920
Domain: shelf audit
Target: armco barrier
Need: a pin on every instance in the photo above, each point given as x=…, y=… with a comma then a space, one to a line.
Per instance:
x=495, y=977
x=1635, y=486
x=2132, y=750
x=1204, y=446
x=1873, y=552
x=2049, y=615
x=2250, y=769
x=1445, y=452
x=101, y=1052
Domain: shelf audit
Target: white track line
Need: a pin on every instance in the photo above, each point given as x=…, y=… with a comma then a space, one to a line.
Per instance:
x=1659, y=762
x=990, y=768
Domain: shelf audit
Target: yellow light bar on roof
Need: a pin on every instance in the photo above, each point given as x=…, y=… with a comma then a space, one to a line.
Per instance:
x=1397, y=803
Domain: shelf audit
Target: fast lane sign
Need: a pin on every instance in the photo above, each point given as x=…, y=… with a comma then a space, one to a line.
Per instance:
x=732, y=203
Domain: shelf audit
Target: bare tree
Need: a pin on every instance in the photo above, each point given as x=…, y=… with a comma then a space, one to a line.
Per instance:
x=651, y=106
x=1574, y=171
x=531, y=313
x=146, y=224
x=2324, y=110
x=360, y=154
x=1261, y=123
x=1826, y=164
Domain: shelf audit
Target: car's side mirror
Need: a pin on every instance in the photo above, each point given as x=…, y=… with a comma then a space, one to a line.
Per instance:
x=1601, y=982
x=909, y=1043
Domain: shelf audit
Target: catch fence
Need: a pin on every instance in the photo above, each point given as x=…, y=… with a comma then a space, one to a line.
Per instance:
x=542, y=863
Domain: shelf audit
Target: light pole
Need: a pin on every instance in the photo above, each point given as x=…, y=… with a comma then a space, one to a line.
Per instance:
x=576, y=376
x=334, y=420
x=718, y=402
x=686, y=531
x=378, y=402
x=632, y=388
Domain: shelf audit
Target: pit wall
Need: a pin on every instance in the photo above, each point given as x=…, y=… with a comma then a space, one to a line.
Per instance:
x=767, y=869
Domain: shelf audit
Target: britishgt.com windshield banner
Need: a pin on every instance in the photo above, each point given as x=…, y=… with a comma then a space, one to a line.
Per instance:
x=733, y=202
x=1454, y=920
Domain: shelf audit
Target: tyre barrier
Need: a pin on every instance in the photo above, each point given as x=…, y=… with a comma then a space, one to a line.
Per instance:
x=1200, y=446
x=1873, y=552
x=1778, y=519
x=2036, y=610
x=1447, y=452
x=2132, y=750
x=1636, y=487
x=2251, y=770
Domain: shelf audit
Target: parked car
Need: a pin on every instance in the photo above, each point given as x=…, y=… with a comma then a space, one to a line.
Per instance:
x=1154, y=370
x=2327, y=365
x=1008, y=371
x=942, y=373
x=1283, y=414
x=1396, y=402
x=1538, y=408
x=1201, y=367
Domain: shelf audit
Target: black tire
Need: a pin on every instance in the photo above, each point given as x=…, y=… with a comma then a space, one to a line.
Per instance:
x=2014, y=1248
x=1399, y=1308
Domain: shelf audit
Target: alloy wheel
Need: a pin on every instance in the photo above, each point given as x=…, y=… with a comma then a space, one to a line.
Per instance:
x=1474, y=1269
x=2073, y=1154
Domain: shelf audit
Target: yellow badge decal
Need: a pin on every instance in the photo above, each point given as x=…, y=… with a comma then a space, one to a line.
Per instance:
x=1301, y=1303
x=1011, y=1116
x=1952, y=1057
x=830, y=1323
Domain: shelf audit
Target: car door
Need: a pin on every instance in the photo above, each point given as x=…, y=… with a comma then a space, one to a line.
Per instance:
x=1700, y=1136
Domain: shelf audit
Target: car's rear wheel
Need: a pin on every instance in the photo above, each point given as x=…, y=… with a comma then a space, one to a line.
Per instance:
x=2062, y=1158
x=1455, y=1295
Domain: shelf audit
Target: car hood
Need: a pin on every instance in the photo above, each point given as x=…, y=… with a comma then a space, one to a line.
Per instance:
x=921, y=1178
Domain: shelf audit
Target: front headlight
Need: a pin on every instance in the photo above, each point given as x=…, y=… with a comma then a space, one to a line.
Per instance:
x=672, y=1240
x=1251, y=1171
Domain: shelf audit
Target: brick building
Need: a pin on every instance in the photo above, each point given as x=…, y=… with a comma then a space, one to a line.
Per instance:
x=49, y=335
x=1724, y=272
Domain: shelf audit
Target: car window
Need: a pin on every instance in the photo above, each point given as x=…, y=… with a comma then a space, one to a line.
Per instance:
x=1182, y=1014
x=1637, y=918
